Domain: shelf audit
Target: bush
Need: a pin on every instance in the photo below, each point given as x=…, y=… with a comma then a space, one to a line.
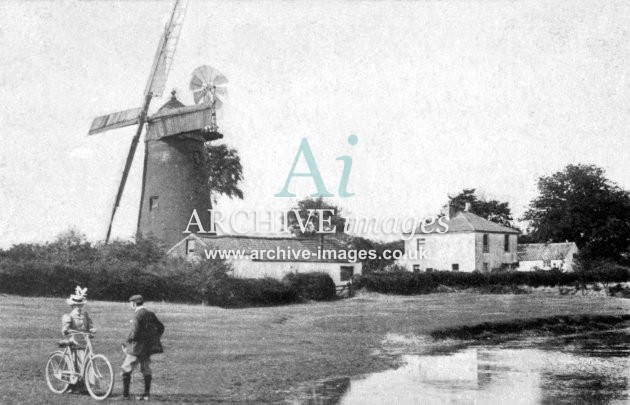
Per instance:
x=241, y=292
x=394, y=268
x=112, y=272
x=606, y=273
x=311, y=286
x=406, y=283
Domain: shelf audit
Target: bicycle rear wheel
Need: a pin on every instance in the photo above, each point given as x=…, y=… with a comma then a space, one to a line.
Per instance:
x=58, y=366
x=99, y=377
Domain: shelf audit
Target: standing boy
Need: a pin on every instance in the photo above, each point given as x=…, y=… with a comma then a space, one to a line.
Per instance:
x=142, y=342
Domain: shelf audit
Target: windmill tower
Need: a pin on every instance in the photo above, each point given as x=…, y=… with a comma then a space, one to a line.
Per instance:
x=174, y=177
x=175, y=180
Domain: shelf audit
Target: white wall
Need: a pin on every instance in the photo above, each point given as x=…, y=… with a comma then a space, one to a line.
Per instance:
x=496, y=255
x=246, y=268
x=443, y=250
x=560, y=264
x=529, y=265
x=463, y=248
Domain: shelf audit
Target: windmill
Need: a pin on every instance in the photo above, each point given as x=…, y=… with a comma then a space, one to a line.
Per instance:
x=174, y=178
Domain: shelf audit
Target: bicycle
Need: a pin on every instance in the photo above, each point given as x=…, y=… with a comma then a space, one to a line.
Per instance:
x=64, y=367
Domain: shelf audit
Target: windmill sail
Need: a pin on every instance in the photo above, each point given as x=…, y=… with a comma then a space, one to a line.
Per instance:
x=154, y=88
x=115, y=120
x=166, y=50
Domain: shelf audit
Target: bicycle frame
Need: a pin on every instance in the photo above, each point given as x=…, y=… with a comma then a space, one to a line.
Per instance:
x=72, y=377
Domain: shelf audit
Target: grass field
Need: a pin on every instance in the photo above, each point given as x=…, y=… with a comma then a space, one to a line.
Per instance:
x=256, y=355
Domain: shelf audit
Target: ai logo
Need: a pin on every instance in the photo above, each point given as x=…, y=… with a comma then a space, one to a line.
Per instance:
x=313, y=172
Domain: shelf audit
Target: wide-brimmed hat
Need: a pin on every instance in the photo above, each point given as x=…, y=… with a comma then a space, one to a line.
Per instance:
x=79, y=297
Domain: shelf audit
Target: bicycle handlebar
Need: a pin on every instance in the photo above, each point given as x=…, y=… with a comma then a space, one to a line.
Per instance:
x=78, y=332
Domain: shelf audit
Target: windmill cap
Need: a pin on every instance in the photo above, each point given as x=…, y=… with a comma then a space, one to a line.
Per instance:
x=136, y=298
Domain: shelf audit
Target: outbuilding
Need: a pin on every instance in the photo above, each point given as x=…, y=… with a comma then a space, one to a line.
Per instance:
x=546, y=256
x=260, y=257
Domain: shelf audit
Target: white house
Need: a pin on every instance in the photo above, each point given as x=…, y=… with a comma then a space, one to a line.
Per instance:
x=259, y=257
x=470, y=243
x=546, y=256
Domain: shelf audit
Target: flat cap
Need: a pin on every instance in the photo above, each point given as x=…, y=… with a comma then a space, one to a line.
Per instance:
x=136, y=298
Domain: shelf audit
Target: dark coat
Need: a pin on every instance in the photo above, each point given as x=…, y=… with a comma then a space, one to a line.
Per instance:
x=146, y=331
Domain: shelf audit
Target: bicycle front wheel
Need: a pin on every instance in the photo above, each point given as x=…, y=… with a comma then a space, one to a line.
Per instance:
x=58, y=368
x=99, y=377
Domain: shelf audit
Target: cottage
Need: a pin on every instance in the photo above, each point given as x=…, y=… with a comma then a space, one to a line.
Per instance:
x=546, y=256
x=259, y=257
x=470, y=243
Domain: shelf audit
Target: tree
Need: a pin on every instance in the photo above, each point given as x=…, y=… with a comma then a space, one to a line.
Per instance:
x=309, y=216
x=378, y=263
x=527, y=238
x=224, y=171
x=70, y=247
x=580, y=204
x=144, y=250
x=492, y=210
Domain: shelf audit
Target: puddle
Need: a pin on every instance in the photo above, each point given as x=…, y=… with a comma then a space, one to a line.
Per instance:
x=394, y=339
x=589, y=369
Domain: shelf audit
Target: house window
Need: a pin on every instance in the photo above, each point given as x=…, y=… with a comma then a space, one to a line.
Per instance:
x=419, y=243
x=506, y=243
x=486, y=247
x=416, y=268
x=546, y=263
x=346, y=273
x=455, y=266
x=153, y=203
x=486, y=267
x=190, y=246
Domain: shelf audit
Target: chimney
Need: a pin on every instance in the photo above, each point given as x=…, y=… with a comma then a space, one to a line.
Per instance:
x=467, y=207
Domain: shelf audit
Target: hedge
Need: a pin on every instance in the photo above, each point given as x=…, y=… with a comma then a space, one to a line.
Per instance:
x=173, y=281
x=240, y=292
x=407, y=283
x=312, y=286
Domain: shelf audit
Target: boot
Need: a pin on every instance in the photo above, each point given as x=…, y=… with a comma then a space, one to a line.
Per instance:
x=147, y=388
x=126, y=378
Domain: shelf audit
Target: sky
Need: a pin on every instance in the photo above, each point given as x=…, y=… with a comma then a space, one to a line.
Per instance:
x=441, y=95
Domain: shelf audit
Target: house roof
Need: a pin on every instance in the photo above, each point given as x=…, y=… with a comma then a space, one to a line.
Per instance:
x=247, y=244
x=465, y=221
x=543, y=251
